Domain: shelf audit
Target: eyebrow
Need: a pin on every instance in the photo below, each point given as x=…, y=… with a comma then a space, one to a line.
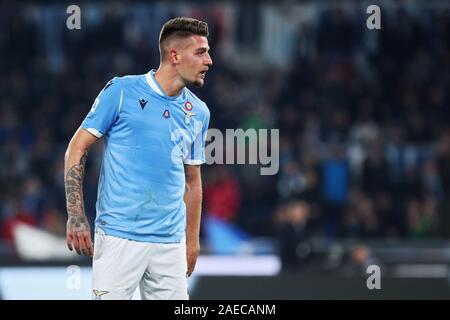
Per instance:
x=202, y=49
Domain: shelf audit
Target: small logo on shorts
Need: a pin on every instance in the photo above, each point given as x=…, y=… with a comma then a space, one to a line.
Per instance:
x=98, y=294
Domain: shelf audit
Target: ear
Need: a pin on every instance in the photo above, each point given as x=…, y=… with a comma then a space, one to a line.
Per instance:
x=174, y=56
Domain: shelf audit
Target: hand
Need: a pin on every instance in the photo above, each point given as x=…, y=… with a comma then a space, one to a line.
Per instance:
x=78, y=233
x=192, y=252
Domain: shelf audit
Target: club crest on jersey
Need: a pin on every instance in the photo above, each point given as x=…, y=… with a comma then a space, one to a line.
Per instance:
x=188, y=106
x=166, y=114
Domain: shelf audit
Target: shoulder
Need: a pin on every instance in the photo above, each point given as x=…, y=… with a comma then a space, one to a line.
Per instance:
x=128, y=80
x=120, y=85
x=198, y=104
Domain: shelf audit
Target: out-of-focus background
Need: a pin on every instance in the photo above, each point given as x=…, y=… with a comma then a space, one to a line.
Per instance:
x=363, y=116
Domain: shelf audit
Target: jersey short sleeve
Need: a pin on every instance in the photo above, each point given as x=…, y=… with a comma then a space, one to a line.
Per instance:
x=196, y=152
x=105, y=109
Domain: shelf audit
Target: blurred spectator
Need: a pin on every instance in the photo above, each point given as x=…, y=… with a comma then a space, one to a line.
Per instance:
x=375, y=173
x=358, y=259
x=292, y=222
x=360, y=218
x=222, y=195
x=422, y=217
x=335, y=188
x=13, y=212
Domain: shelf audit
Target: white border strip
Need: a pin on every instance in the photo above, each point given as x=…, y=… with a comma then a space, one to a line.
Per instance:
x=120, y=102
x=95, y=132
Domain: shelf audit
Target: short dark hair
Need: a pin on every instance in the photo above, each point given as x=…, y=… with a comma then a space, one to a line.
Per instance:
x=181, y=27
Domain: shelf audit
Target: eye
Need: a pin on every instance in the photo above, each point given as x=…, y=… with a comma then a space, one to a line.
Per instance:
x=201, y=52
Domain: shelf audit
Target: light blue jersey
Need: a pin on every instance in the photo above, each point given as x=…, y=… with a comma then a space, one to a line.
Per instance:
x=148, y=136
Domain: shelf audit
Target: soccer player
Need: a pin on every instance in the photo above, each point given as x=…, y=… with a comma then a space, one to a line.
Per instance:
x=149, y=193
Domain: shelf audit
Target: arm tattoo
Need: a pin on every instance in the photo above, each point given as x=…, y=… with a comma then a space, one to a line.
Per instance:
x=78, y=223
x=73, y=181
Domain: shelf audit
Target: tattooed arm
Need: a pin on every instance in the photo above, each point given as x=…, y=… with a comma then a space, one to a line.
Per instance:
x=77, y=230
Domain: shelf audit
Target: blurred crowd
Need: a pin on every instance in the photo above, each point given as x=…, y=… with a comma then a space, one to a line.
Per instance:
x=363, y=114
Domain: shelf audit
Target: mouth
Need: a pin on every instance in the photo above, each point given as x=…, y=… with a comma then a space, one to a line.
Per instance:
x=203, y=73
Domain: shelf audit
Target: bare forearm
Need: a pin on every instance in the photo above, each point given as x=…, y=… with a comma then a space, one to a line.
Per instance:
x=193, y=200
x=74, y=165
x=77, y=229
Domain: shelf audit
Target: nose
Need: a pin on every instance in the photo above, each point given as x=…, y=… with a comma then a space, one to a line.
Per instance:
x=209, y=61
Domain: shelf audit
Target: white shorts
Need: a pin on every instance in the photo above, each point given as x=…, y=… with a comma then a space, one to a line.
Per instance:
x=120, y=265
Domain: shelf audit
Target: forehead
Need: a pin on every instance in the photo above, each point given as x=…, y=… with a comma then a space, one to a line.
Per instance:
x=196, y=41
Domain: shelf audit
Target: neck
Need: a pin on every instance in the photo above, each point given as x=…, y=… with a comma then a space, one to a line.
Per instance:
x=169, y=80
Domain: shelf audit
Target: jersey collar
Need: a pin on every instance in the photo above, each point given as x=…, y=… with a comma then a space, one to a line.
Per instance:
x=154, y=85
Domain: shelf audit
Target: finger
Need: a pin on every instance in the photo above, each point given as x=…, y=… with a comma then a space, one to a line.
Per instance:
x=189, y=272
x=83, y=248
x=76, y=243
x=192, y=261
x=191, y=266
x=89, y=245
x=191, y=269
x=69, y=240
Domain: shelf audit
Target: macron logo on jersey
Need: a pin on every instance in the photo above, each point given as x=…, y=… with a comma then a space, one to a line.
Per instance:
x=143, y=103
